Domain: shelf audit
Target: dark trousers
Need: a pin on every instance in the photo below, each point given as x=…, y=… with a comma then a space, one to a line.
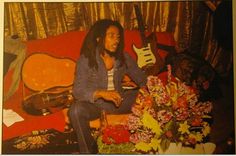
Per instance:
x=82, y=112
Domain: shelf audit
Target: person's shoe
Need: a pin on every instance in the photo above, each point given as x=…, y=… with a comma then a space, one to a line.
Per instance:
x=68, y=128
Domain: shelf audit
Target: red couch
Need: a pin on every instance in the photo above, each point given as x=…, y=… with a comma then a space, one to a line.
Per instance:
x=66, y=45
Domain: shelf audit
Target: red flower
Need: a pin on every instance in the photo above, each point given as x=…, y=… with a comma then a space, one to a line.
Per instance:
x=115, y=134
x=169, y=134
x=180, y=103
x=148, y=101
x=192, y=141
x=196, y=121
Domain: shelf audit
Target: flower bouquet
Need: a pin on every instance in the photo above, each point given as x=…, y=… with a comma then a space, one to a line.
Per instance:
x=115, y=140
x=166, y=111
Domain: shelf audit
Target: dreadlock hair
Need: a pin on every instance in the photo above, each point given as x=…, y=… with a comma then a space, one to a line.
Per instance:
x=95, y=39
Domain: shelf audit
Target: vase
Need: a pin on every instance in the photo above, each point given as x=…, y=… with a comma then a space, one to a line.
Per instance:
x=178, y=148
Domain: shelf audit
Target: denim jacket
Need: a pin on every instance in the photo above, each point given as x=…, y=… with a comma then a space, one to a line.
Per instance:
x=87, y=80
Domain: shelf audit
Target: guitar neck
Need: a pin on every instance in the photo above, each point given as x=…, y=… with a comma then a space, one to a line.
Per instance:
x=54, y=96
x=140, y=25
x=143, y=38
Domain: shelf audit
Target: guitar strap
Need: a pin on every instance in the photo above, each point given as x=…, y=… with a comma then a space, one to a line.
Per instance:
x=169, y=49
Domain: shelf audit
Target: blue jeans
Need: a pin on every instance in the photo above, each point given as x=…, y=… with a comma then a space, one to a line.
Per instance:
x=82, y=112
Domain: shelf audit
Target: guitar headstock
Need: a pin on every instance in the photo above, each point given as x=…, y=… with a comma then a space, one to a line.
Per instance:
x=141, y=26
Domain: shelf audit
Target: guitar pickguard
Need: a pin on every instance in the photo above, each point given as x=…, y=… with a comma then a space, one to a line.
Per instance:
x=145, y=56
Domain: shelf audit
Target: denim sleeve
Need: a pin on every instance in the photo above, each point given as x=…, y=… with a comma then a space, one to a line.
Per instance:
x=81, y=89
x=136, y=74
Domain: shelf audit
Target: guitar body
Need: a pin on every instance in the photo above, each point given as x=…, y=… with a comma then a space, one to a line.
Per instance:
x=51, y=79
x=160, y=63
x=41, y=72
x=147, y=57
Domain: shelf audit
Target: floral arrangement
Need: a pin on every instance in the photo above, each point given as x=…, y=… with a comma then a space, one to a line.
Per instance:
x=115, y=139
x=163, y=113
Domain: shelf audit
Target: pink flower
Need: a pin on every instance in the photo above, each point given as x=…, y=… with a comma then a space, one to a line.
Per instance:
x=182, y=114
x=163, y=116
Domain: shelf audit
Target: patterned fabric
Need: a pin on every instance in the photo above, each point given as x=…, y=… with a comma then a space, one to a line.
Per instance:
x=42, y=142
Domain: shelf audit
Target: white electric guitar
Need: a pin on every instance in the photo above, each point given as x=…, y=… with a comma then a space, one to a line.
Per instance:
x=145, y=56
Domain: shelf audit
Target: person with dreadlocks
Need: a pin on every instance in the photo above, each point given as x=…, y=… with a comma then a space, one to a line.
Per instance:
x=98, y=80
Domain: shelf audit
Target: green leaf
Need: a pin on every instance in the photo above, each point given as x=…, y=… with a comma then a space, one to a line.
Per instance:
x=124, y=148
x=168, y=126
x=165, y=143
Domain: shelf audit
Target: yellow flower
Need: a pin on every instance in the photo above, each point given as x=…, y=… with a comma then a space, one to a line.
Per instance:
x=181, y=138
x=149, y=122
x=172, y=91
x=198, y=136
x=206, y=130
x=183, y=128
x=155, y=144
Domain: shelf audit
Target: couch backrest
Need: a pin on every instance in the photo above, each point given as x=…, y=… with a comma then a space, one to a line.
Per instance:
x=44, y=72
x=68, y=44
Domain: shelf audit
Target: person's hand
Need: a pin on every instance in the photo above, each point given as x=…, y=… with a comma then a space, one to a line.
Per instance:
x=127, y=82
x=107, y=95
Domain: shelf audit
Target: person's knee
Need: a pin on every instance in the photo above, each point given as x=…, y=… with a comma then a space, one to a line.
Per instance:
x=77, y=110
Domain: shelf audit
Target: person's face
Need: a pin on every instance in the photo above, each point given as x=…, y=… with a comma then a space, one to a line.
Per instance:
x=112, y=38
